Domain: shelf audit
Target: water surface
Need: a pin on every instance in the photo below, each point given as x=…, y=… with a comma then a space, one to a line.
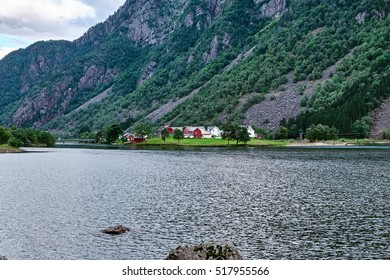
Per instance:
x=272, y=203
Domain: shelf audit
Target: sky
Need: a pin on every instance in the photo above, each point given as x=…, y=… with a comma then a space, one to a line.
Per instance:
x=23, y=22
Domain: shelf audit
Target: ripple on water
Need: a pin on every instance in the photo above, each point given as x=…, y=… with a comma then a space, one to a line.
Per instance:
x=272, y=203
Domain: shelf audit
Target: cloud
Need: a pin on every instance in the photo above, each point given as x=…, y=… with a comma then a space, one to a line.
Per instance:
x=6, y=50
x=53, y=19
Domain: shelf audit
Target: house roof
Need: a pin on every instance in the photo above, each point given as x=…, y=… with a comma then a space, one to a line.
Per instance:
x=192, y=128
x=210, y=128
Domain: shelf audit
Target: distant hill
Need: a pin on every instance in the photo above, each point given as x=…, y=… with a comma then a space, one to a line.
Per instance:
x=205, y=62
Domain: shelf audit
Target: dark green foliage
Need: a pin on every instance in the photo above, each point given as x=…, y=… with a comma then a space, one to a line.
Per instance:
x=242, y=135
x=234, y=132
x=15, y=142
x=229, y=132
x=362, y=127
x=113, y=132
x=46, y=138
x=263, y=133
x=164, y=134
x=385, y=135
x=5, y=135
x=178, y=134
x=294, y=132
x=18, y=137
x=281, y=133
x=142, y=129
x=321, y=132
x=99, y=136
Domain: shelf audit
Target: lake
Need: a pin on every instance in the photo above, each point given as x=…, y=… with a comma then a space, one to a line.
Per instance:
x=285, y=203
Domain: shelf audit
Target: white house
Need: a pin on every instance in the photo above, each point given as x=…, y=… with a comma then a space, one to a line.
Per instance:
x=215, y=131
x=251, y=132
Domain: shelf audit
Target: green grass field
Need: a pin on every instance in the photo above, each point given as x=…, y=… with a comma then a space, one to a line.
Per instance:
x=211, y=142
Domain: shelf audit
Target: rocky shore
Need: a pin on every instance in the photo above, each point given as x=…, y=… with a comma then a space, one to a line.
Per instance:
x=7, y=149
x=206, y=251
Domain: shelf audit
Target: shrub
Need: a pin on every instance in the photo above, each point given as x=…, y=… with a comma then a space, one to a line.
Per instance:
x=362, y=127
x=4, y=135
x=321, y=132
x=281, y=133
x=386, y=135
x=14, y=142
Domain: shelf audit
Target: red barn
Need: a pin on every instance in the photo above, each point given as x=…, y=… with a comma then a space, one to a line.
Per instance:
x=197, y=133
x=133, y=139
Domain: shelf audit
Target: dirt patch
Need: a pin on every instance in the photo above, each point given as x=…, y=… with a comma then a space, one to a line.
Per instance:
x=381, y=118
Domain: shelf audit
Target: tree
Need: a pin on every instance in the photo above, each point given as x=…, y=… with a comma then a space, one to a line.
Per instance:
x=113, y=133
x=242, y=135
x=362, y=127
x=281, y=133
x=142, y=129
x=164, y=134
x=321, y=132
x=99, y=136
x=5, y=135
x=15, y=142
x=293, y=132
x=178, y=134
x=229, y=132
x=45, y=137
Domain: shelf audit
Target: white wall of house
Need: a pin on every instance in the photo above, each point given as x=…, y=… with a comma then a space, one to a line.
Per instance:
x=215, y=131
x=251, y=132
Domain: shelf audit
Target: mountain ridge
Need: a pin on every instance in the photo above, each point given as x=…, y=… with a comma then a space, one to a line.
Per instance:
x=183, y=62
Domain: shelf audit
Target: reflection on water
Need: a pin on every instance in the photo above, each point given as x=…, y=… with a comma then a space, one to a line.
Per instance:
x=272, y=203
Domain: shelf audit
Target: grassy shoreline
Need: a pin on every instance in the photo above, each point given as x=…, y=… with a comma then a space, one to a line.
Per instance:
x=5, y=149
x=215, y=142
x=209, y=142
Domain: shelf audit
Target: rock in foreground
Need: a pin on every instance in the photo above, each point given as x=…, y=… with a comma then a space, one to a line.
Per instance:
x=206, y=251
x=119, y=229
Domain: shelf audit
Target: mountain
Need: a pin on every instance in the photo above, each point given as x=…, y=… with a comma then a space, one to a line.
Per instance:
x=205, y=62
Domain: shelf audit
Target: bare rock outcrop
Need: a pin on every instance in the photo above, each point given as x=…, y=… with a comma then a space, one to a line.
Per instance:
x=273, y=8
x=215, y=7
x=213, y=53
x=206, y=251
x=141, y=21
x=2, y=258
x=39, y=109
x=148, y=72
x=381, y=118
x=361, y=17
x=118, y=229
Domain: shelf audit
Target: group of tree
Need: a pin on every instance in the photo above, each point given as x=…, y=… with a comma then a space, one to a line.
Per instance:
x=362, y=127
x=321, y=132
x=385, y=135
x=235, y=132
x=18, y=137
x=114, y=132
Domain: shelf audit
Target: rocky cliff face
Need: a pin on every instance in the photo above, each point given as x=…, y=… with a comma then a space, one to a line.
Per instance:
x=47, y=104
x=143, y=22
x=272, y=8
x=42, y=59
x=149, y=22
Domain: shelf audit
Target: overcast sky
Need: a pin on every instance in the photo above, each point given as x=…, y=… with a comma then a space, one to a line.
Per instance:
x=23, y=22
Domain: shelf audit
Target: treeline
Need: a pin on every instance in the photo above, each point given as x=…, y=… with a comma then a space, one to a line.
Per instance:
x=360, y=85
x=26, y=137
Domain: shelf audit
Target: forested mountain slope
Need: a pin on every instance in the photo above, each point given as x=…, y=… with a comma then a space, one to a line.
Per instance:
x=204, y=62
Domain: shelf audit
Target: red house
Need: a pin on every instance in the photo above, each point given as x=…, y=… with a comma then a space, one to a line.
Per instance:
x=133, y=139
x=197, y=133
x=193, y=132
